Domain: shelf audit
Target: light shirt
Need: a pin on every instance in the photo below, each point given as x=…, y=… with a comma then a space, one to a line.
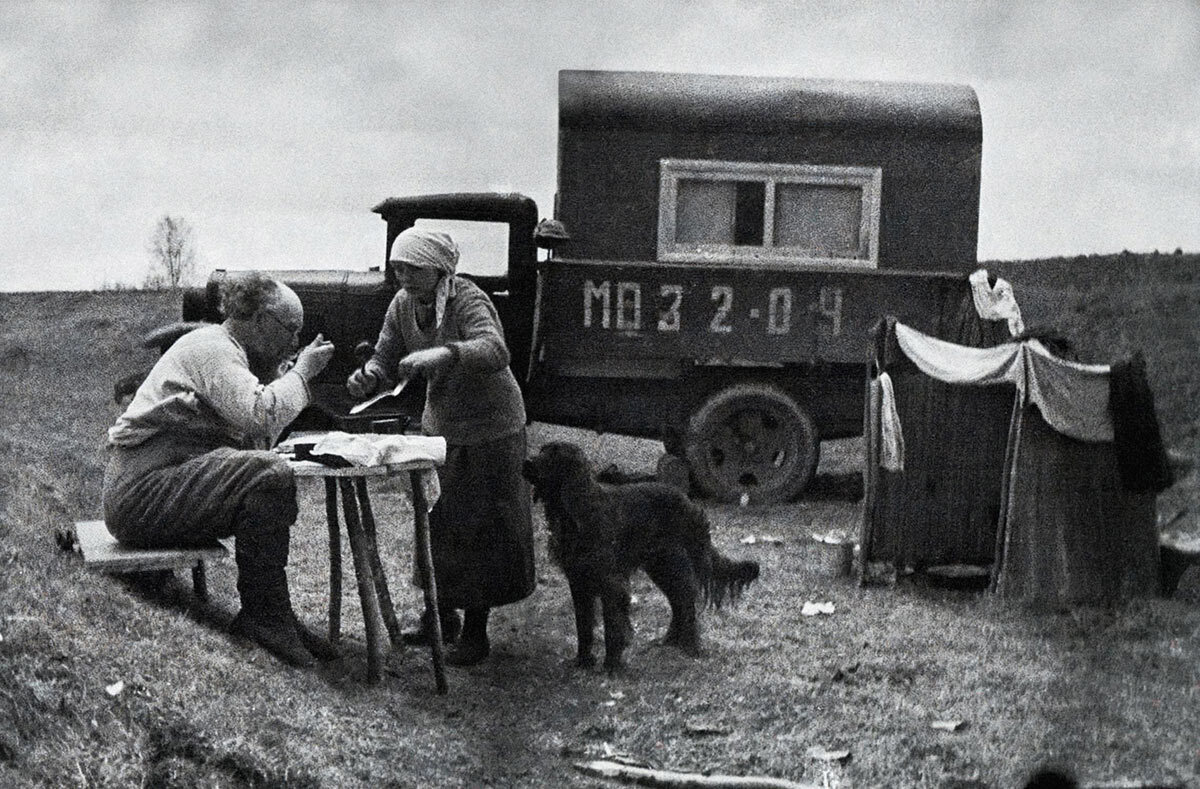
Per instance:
x=203, y=387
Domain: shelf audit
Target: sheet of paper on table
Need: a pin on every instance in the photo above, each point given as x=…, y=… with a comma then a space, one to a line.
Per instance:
x=365, y=404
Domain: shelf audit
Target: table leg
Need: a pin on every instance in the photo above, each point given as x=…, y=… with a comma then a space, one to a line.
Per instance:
x=381, y=586
x=366, y=585
x=335, y=561
x=200, y=581
x=428, y=581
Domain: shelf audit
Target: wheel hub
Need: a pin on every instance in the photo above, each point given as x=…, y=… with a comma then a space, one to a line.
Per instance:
x=751, y=440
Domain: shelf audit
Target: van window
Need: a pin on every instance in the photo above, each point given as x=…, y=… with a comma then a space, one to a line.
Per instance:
x=720, y=212
x=748, y=212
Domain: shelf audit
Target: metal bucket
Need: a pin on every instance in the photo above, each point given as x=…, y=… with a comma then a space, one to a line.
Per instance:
x=834, y=557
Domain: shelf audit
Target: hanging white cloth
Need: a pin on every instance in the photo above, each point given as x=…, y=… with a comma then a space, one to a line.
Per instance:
x=996, y=302
x=1072, y=397
x=891, y=435
x=960, y=364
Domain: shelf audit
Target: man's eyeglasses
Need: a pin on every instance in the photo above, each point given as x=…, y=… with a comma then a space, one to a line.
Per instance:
x=293, y=330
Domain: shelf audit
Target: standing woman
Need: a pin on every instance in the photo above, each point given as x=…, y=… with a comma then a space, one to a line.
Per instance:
x=481, y=529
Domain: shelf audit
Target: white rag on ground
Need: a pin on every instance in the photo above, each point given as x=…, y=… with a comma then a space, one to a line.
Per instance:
x=385, y=449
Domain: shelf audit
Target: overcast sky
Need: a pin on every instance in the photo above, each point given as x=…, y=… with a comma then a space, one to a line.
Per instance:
x=274, y=128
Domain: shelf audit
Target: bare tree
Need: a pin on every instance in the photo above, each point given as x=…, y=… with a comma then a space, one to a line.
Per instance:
x=172, y=253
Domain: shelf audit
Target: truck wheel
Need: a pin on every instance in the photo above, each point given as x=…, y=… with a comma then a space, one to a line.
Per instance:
x=754, y=441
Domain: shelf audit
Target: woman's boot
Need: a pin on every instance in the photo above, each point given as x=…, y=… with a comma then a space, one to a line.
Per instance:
x=451, y=627
x=472, y=646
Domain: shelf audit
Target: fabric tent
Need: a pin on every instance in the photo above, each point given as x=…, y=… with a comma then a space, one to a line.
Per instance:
x=1011, y=456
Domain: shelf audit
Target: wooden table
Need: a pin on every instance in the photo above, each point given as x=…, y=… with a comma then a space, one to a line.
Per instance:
x=364, y=547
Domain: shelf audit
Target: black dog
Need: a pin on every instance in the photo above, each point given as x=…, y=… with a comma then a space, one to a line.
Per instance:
x=600, y=534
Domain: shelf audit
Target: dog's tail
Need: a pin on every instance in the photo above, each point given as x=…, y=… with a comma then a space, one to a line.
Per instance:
x=726, y=578
x=720, y=578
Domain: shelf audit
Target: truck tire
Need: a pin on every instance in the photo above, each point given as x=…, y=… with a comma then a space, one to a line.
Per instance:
x=752, y=442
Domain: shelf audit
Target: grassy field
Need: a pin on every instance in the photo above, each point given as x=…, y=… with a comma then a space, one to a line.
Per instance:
x=1112, y=694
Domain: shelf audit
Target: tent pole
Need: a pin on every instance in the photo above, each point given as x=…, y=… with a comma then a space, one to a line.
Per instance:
x=871, y=429
x=1010, y=465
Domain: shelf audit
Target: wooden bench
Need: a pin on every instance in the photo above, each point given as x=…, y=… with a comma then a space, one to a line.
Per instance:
x=101, y=551
x=1176, y=554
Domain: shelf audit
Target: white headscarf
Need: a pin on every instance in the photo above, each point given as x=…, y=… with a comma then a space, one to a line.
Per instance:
x=429, y=249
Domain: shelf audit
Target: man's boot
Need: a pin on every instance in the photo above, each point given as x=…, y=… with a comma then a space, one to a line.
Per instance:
x=262, y=532
x=266, y=617
x=320, y=647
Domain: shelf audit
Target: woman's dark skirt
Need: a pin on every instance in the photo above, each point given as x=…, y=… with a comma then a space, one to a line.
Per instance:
x=481, y=529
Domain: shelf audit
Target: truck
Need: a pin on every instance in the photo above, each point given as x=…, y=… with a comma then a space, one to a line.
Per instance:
x=719, y=249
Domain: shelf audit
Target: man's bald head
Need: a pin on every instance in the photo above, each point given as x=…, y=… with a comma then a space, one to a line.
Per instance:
x=285, y=305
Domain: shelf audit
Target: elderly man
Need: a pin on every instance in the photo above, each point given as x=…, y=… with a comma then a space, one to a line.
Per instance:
x=189, y=459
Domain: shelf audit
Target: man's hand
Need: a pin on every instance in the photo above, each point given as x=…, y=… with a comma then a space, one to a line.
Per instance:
x=362, y=383
x=313, y=357
x=426, y=360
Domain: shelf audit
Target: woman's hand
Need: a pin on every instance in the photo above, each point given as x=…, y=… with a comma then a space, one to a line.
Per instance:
x=425, y=360
x=362, y=383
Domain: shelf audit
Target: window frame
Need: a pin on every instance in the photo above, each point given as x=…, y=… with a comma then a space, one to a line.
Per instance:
x=868, y=179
